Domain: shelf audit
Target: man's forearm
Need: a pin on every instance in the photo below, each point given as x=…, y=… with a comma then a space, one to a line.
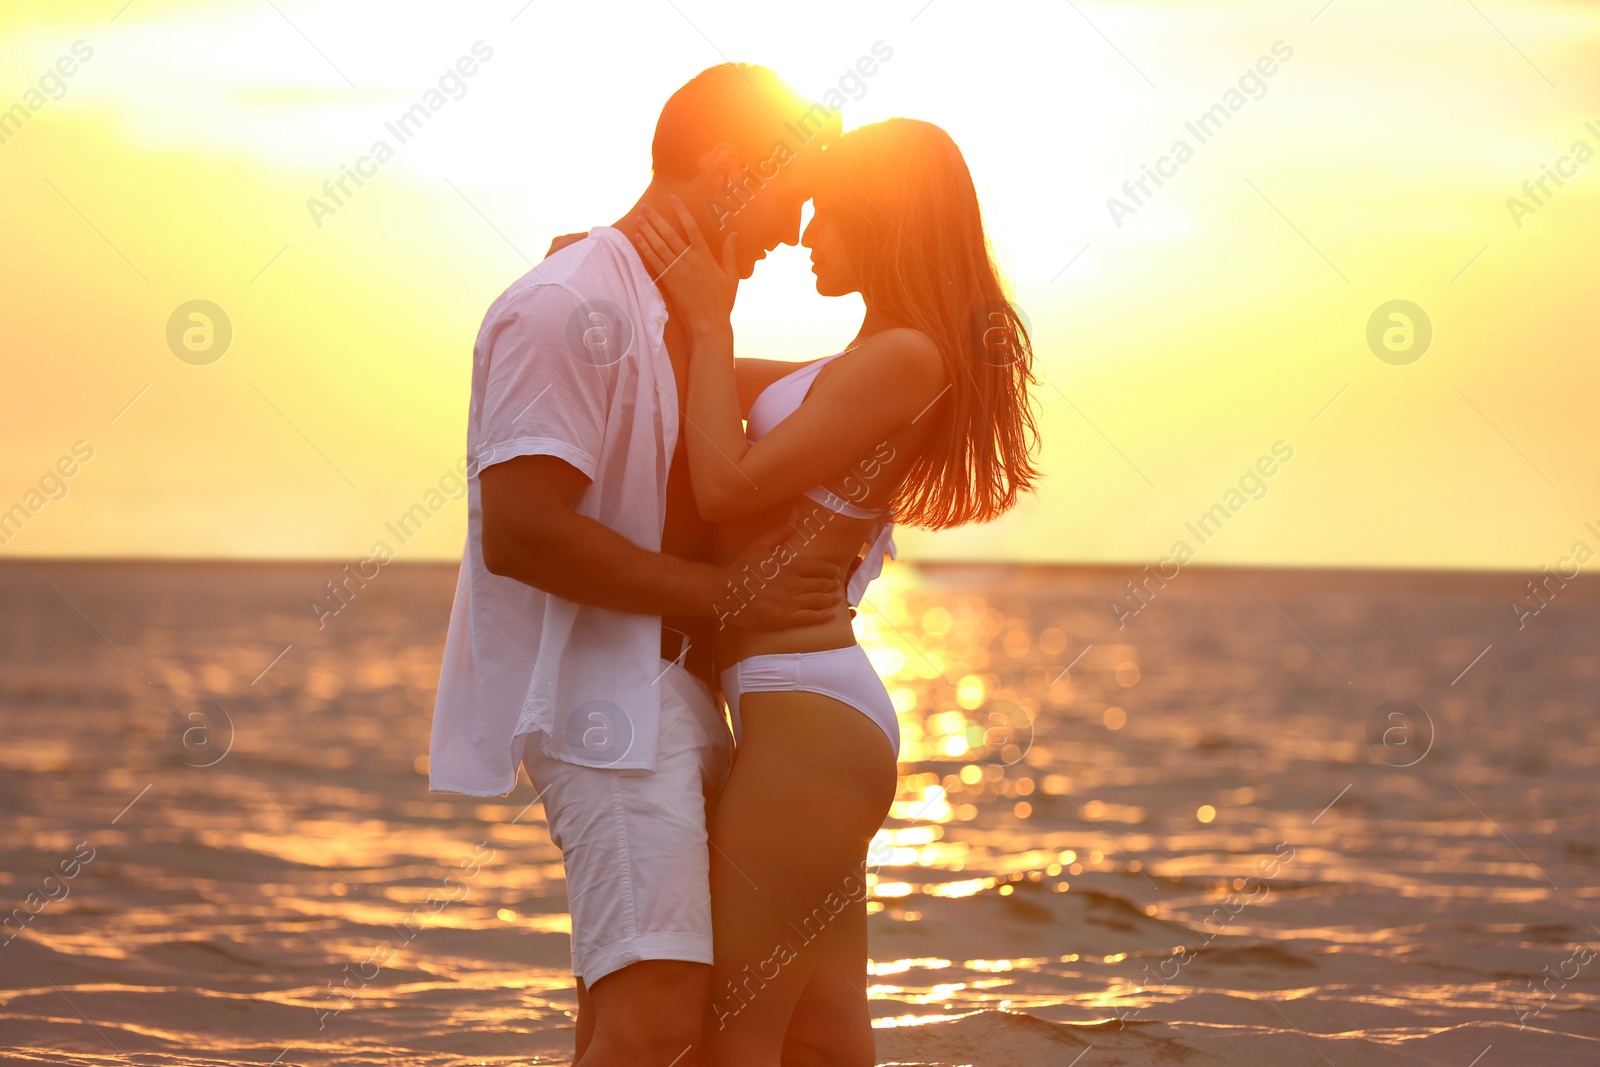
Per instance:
x=578, y=559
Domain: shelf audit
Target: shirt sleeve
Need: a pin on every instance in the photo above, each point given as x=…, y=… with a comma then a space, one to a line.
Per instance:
x=540, y=397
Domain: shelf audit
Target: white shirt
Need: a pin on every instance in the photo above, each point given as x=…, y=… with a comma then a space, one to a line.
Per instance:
x=570, y=362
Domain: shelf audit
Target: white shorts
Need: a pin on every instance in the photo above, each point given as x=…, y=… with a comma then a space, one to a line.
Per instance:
x=634, y=842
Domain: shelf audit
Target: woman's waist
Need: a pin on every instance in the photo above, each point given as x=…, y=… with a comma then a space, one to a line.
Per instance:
x=818, y=534
x=814, y=532
x=736, y=645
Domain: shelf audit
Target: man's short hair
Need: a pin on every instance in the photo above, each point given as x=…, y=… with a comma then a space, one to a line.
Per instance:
x=741, y=104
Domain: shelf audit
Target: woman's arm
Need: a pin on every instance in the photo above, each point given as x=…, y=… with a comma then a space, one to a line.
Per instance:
x=890, y=380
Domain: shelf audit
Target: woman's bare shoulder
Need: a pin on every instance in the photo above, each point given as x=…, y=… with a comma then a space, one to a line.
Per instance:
x=901, y=338
x=898, y=354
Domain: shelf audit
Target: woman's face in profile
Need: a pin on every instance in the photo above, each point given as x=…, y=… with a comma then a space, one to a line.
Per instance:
x=830, y=257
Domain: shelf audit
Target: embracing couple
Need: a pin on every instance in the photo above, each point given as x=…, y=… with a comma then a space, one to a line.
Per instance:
x=656, y=527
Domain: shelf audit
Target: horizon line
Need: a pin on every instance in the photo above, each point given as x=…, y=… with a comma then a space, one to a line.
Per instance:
x=935, y=563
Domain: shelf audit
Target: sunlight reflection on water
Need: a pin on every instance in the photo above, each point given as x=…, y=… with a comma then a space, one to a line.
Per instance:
x=1225, y=843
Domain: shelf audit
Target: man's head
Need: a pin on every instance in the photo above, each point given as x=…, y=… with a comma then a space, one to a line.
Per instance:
x=738, y=146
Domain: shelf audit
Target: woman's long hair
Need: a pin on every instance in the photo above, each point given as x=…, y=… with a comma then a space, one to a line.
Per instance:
x=912, y=223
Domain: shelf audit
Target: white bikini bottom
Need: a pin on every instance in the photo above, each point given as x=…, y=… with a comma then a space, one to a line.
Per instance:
x=842, y=673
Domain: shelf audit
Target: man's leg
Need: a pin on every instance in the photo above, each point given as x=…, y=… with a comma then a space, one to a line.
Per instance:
x=634, y=849
x=585, y=1027
x=646, y=1015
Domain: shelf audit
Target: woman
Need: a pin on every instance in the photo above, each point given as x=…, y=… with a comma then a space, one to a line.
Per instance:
x=925, y=418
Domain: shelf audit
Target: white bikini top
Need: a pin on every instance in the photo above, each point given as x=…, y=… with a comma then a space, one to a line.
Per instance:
x=777, y=402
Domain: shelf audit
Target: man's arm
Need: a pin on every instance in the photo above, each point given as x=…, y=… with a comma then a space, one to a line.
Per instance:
x=531, y=533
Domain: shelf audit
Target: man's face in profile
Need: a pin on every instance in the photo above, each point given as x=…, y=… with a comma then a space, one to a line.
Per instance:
x=767, y=215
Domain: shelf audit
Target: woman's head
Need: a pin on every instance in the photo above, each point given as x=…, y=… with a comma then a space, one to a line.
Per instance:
x=896, y=219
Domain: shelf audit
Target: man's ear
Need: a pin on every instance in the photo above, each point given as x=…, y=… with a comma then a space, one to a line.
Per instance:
x=721, y=164
x=720, y=171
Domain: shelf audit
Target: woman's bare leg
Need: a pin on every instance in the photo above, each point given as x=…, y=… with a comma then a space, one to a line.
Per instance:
x=832, y=1024
x=811, y=785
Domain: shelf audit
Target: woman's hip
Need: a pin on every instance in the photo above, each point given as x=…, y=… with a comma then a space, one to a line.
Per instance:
x=843, y=674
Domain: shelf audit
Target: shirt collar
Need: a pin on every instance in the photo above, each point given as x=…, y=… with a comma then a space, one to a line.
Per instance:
x=614, y=236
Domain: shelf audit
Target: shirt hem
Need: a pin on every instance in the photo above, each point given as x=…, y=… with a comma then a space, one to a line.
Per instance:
x=444, y=787
x=586, y=462
x=687, y=946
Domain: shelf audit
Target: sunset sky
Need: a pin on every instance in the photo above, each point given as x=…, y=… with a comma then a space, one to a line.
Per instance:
x=1181, y=335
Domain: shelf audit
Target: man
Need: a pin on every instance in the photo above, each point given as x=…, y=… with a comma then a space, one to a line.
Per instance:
x=580, y=638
